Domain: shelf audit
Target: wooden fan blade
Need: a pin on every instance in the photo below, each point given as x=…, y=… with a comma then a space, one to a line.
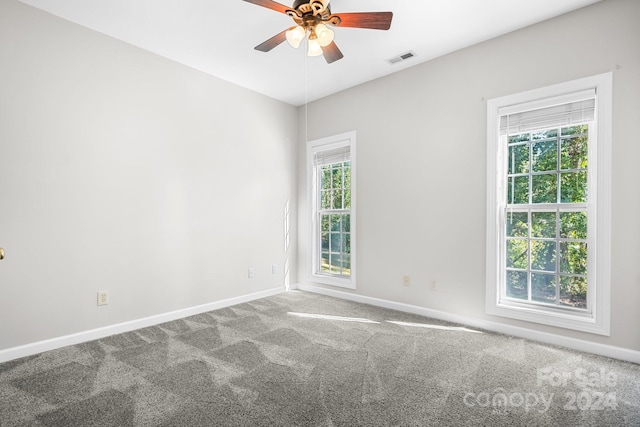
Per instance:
x=274, y=41
x=331, y=53
x=371, y=20
x=270, y=5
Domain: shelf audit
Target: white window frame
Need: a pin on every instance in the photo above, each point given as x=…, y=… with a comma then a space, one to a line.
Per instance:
x=596, y=319
x=313, y=147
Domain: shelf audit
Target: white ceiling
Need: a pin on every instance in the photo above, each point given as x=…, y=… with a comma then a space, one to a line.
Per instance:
x=218, y=36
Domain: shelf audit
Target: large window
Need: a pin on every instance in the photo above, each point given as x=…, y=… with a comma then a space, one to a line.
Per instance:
x=548, y=208
x=332, y=189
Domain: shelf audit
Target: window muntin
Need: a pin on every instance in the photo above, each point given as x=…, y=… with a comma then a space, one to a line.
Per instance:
x=546, y=217
x=334, y=217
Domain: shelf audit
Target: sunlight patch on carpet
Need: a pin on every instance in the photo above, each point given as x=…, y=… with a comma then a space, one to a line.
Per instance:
x=430, y=326
x=328, y=317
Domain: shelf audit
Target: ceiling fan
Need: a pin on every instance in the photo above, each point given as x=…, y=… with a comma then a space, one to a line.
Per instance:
x=313, y=17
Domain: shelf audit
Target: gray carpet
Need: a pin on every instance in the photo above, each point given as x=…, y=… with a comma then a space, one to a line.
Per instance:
x=310, y=360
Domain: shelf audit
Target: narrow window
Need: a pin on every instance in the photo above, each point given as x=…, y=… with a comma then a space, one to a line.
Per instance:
x=548, y=228
x=332, y=189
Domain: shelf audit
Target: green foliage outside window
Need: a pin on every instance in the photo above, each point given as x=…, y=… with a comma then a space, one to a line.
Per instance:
x=335, y=219
x=546, y=248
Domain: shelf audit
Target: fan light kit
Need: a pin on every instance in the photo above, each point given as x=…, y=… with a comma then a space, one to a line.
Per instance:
x=313, y=17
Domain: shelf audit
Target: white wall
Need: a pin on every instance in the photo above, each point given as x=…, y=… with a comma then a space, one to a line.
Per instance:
x=123, y=171
x=421, y=162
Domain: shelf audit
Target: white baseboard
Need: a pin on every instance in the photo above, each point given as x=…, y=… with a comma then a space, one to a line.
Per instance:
x=545, y=337
x=80, y=337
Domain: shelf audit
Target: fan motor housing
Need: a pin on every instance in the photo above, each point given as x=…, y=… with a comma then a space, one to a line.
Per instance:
x=305, y=6
x=298, y=3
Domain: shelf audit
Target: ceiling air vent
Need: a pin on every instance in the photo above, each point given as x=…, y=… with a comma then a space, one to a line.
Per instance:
x=401, y=58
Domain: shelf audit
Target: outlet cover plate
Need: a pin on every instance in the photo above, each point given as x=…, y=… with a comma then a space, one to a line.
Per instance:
x=103, y=297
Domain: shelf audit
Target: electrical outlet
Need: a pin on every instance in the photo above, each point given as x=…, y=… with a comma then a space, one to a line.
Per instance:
x=274, y=269
x=103, y=297
x=251, y=272
x=434, y=285
x=406, y=280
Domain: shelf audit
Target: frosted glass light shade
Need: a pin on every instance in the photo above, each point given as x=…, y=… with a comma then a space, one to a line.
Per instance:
x=314, y=48
x=295, y=36
x=325, y=35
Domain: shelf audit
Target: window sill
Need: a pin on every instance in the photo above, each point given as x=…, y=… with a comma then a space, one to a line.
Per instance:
x=334, y=281
x=578, y=321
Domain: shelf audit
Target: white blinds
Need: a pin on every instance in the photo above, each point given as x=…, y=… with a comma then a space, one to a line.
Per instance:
x=565, y=110
x=335, y=155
